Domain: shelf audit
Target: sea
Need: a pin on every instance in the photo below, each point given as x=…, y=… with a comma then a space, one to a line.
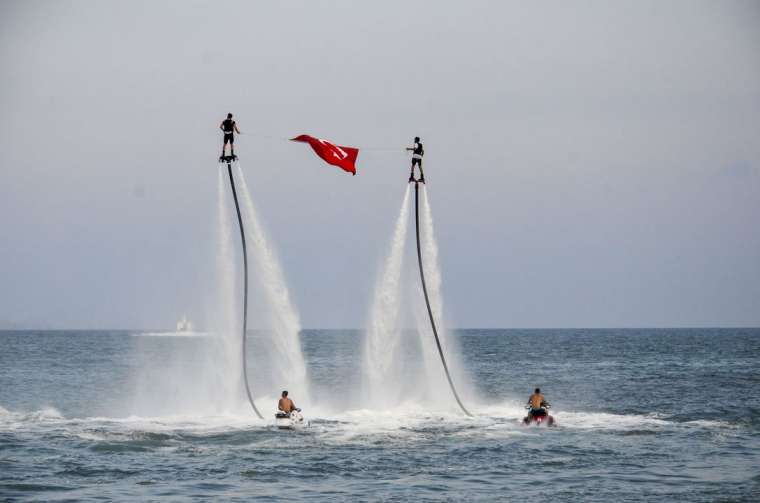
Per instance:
x=641, y=415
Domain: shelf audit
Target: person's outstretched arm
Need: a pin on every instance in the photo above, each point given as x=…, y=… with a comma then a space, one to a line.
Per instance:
x=236, y=129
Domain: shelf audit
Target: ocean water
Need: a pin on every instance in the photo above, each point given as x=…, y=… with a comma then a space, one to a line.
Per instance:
x=644, y=415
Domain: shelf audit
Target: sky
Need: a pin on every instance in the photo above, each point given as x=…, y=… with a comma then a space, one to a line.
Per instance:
x=589, y=164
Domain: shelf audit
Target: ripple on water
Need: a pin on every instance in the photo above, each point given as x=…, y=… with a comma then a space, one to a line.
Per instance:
x=642, y=447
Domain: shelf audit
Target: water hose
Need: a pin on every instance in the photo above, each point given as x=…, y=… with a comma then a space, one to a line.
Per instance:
x=427, y=300
x=245, y=290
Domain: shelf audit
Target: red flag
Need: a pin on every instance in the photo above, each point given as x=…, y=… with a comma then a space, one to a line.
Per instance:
x=343, y=157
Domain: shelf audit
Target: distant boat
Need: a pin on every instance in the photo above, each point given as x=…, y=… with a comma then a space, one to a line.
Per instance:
x=184, y=325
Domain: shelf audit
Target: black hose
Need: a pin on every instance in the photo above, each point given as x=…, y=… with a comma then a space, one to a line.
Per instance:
x=245, y=290
x=427, y=300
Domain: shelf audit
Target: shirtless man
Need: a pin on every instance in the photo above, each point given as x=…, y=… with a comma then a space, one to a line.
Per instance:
x=537, y=404
x=286, y=404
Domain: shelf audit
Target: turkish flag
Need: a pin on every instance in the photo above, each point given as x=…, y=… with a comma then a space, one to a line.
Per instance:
x=343, y=157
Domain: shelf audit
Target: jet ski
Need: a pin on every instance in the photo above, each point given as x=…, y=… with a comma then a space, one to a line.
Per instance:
x=290, y=421
x=539, y=417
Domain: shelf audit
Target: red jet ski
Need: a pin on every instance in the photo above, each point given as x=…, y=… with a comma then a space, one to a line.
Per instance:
x=539, y=416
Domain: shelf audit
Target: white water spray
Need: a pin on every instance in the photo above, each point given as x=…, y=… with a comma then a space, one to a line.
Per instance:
x=279, y=362
x=199, y=375
x=437, y=387
x=437, y=384
x=381, y=344
x=402, y=368
x=226, y=320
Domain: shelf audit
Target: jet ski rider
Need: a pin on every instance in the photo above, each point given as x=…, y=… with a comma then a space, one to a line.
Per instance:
x=537, y=404
x=286, y=405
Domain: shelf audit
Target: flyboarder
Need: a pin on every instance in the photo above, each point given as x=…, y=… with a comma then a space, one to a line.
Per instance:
x=286, y=405
x=229, y=128
x=417, y=153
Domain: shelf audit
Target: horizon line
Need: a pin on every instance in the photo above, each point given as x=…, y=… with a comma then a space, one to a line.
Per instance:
x=168, y=330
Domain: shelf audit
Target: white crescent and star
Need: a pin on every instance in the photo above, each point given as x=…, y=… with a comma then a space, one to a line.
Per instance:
x=335, y=150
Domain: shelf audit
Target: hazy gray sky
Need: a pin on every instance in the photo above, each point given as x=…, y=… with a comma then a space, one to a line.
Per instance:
x=589, y=163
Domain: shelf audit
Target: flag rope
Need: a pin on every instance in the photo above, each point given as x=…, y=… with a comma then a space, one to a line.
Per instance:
x=367, y=149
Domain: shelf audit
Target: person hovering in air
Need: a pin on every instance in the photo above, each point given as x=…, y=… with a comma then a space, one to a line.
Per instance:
x=417, y=153
x=286, y=405
x=229, y=128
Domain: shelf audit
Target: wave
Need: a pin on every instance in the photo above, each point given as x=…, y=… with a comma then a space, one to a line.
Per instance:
x=408, y=418
x=172, y=334
x=46, y=414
